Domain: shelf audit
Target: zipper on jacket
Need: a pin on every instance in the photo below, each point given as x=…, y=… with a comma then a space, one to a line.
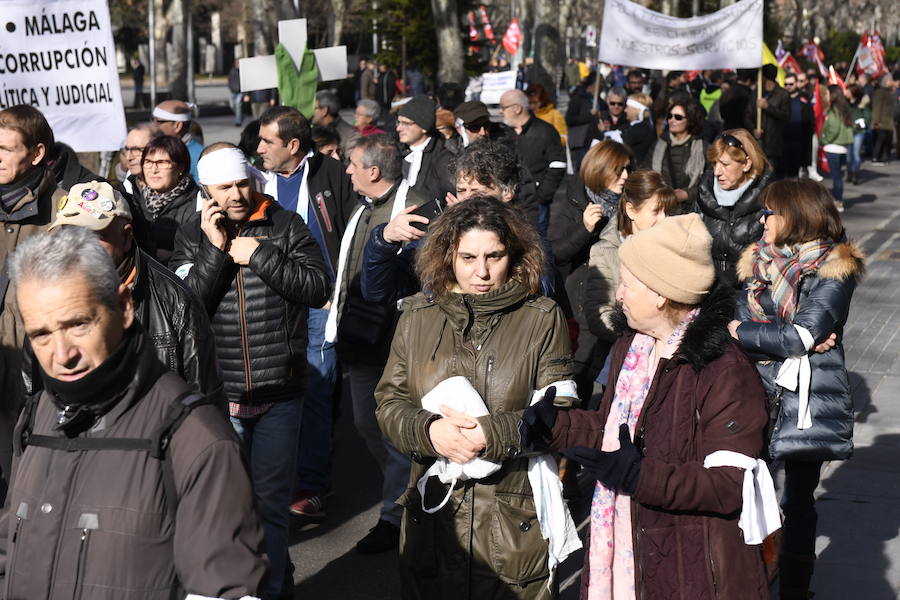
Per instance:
x=712, y=572
x=321, y=202
x=245, y=342
x=87, y=523
x=21, y=517
x=487, y=379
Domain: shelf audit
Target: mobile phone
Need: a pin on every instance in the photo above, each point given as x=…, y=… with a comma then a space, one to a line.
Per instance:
x=430, y=210
x=205, y=193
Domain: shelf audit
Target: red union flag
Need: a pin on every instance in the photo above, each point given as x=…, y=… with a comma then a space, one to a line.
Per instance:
x=871, y=55
x=473, y=31
x=488, y=29
x=512, y=38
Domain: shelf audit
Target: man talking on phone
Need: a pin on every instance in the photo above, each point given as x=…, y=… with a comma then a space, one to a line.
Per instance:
x=256, y=268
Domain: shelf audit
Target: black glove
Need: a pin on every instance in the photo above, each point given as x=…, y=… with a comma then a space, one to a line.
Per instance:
x=536, y=426
x=618, y=470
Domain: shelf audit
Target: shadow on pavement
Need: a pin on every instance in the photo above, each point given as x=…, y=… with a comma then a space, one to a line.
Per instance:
x=859, y=514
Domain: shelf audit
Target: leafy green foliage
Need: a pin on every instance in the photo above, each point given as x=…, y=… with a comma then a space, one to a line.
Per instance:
x=396, y=19
x=839, y=46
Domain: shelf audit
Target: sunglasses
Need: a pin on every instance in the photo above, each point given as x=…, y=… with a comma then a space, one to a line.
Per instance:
x=732, y=141
x=676, y=117
x=476, y=126
x=616, y=103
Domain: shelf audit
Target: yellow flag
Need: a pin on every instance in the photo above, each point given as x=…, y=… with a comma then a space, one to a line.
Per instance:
x=769, y=59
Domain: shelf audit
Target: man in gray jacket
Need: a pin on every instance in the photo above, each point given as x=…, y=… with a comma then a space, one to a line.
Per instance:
x=125, y=485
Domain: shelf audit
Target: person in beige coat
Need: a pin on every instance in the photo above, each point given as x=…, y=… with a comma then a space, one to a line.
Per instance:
x=645, y=200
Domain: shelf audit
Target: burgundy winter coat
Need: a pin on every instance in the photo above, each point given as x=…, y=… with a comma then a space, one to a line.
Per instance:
x=707, y=397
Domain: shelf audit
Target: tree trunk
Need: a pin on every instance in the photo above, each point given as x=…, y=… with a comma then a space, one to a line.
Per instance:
x=259, y=21
x=178, y=60
x=338, y=14
x=548, y=49
x=446, y=26
x=162, y=26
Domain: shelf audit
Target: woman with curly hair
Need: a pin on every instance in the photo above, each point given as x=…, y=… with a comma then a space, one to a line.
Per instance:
x=479, y=317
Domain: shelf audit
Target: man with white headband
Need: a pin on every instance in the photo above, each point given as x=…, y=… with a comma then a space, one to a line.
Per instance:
x=540, y=151
x=316, y=187
x=257, y=269
x=173, y=117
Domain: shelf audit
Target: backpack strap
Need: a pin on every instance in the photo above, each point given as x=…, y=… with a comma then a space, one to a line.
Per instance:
x=162, y=437
x=157, y=444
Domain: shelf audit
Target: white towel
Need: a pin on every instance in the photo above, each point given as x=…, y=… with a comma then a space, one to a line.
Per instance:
x=759, y=515
x=795, y=375
x=458, y=394
x=557, y=526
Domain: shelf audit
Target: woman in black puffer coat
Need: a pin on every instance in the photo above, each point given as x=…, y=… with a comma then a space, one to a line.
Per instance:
x=799, y=280
x=575, y=225
x=728, y=197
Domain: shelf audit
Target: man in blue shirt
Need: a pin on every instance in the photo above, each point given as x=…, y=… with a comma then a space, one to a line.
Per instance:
x=315, y=187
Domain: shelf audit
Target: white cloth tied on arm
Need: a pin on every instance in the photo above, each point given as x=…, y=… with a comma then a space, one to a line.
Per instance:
x=760, y=515
x=557, y=526
x=795, y=374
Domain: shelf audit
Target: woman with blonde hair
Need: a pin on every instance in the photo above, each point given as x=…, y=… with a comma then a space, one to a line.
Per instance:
x=728, y=197
x=479, y=318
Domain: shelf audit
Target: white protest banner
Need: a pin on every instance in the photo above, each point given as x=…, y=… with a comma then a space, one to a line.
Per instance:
x=58, y=56
x=639, y=37
x=494, y=84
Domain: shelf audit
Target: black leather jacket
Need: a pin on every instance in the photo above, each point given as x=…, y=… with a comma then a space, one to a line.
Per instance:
x=177, y=324
x=259, y=311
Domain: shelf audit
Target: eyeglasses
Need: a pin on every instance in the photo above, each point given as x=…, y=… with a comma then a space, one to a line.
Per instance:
x=676, y=117
x=611, y=103
x=504, y=107
x=732, y=141
x=768, y=213
x=132, y=149
x=405, y=123
x=162, y=165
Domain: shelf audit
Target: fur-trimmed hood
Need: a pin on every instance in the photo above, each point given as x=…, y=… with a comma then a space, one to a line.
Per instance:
x=845, y=260
x=707, y=337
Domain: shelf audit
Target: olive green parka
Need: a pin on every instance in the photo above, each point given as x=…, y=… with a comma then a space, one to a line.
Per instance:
x=486, y=541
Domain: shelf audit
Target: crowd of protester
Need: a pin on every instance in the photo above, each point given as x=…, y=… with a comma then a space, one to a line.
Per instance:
x=435, y=265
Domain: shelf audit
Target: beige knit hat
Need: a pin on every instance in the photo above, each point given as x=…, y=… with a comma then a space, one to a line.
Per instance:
x=673, y=258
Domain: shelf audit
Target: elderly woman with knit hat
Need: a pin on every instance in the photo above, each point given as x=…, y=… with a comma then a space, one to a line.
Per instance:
x=676, y=443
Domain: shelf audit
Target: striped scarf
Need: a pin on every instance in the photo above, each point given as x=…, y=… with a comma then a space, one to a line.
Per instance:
x=780, y=270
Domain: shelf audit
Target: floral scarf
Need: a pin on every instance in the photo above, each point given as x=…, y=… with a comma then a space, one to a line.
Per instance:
x=611, y=553
x=156, y=202
x=779, y=270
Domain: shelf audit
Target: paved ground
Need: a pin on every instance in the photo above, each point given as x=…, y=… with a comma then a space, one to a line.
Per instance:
x=859, y=503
